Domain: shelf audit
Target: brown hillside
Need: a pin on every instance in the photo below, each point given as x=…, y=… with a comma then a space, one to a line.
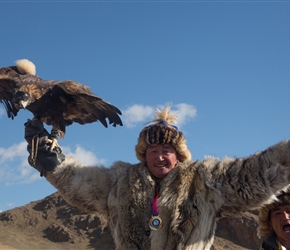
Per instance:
x=53, y=224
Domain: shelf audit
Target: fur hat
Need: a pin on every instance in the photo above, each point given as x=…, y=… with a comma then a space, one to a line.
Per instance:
x=162, y=132
x=265, y=229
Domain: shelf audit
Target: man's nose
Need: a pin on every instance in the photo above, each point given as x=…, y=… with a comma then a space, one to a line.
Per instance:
x=160, y=156
x=287, y=214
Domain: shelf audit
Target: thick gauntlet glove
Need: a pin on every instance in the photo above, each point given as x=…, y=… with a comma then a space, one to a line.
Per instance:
x=40, y=155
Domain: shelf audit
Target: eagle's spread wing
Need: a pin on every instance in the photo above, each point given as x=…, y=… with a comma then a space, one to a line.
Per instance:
x=8, y=84
x=82, y=106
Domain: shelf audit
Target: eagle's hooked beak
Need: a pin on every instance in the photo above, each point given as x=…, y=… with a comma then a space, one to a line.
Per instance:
x=23, y=104
x=21, y=99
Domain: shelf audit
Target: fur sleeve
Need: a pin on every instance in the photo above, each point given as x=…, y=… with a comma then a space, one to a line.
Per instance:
x=246, y=183
x=85, y=187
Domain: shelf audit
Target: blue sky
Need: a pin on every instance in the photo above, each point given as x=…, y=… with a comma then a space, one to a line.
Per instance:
x=224, y=66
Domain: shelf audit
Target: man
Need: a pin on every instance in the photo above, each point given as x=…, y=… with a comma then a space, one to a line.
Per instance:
x=274, y=223
x=166, y=201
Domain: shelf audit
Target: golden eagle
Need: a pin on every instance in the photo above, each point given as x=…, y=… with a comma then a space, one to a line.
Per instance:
x=56, y=103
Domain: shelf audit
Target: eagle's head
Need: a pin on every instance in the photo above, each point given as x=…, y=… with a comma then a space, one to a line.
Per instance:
x=21, y=99
x=25, y=95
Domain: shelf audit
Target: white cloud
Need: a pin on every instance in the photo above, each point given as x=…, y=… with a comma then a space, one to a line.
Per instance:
x=14, y=165
x=184, y=113
x=16, y=151
x=31, y=176
x=7, y=206
x=136, y=114
x=144, y=113
x=84, y=156
x=10, y=204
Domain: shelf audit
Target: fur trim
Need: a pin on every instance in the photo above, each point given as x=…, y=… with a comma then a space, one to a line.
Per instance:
x=265, y=230
x=162, y=132
x=26, y=67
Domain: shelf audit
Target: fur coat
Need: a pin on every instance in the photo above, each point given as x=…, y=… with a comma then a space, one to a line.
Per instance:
x=192, y=196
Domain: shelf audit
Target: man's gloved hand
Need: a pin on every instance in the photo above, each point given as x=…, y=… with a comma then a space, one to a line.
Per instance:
x=40, y=155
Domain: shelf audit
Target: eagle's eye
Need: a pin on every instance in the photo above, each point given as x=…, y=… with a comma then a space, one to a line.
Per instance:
x=20, y=96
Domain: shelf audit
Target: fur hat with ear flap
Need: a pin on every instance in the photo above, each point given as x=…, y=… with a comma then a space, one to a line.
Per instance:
x=265, y=229
x=162, y=131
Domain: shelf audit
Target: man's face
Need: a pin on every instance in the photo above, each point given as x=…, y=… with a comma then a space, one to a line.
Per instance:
x=280, y=222
x=161, y=159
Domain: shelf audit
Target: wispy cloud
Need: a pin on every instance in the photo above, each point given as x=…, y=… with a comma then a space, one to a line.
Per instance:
x=85, y=156
x=14, y=165
x=15, y=151
x=143, y=113
x=136, y=114
x=10, y=204
x=7, y=206
x=184, y=112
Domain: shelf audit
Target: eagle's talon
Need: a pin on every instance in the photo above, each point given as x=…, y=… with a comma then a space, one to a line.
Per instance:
x=53, y=145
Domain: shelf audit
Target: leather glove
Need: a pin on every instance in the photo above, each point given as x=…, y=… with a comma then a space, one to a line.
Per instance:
x=41, y=157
